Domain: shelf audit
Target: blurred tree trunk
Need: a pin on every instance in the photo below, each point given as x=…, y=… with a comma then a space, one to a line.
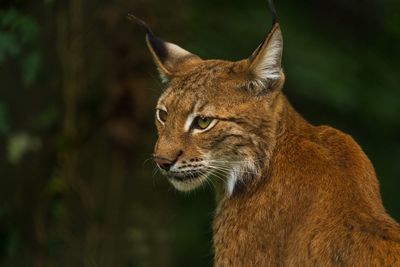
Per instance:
x=105, y=224
x=70, y=43
x=71, y=57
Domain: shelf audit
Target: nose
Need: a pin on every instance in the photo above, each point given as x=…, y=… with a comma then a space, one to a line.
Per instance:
x=164, y=163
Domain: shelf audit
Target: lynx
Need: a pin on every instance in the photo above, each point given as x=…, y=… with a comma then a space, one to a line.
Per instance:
x=288, y=193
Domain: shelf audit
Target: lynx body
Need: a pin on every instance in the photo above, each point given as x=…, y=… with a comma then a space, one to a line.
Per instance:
x=289, y=193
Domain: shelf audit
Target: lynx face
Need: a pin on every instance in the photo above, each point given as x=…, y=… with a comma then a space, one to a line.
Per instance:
x=215, y=119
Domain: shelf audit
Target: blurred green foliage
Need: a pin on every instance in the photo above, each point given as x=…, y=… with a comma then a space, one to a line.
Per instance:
x=19, y=39
x=77, y=186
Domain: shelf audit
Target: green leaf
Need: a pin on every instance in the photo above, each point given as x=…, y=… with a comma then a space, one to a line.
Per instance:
x=30, y=68
x=29, y=30
x=19, y=145
x=19, y=33
x=7, y=17
x=13, y=242
x=9, y=45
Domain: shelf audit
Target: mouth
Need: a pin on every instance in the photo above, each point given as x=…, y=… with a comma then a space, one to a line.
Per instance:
x=186, y=176
x=187, y=181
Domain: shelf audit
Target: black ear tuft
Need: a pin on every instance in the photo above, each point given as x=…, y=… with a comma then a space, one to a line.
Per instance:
x=159, y=47
x=275, y=18
x=139, y=22
x=168, y=56
x=156, y=43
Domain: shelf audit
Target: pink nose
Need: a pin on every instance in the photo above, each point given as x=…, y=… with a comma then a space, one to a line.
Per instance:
x=164, y=163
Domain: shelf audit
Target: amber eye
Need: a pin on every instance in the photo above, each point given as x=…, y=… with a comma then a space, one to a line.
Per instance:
x=202, y=122
x=162, y=115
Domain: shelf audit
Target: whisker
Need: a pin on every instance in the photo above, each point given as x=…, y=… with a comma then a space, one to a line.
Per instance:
x=209, y=182
x=155, y=170
x=147, y=160
x=252, y=159
x=221, y=174
x=225, y=168
x=217, y=175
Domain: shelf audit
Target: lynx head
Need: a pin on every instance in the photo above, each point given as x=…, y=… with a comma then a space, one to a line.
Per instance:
x=216, y=119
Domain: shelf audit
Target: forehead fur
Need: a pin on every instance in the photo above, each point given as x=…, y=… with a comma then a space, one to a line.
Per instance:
x=209, y=80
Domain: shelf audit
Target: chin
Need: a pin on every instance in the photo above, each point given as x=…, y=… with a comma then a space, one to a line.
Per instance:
x=190, y=184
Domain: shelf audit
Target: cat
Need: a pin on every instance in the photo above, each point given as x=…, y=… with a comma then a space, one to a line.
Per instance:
x=289, y=193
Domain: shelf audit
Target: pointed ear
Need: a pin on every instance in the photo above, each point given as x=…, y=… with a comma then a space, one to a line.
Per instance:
x=168, y=57
x=265, y=63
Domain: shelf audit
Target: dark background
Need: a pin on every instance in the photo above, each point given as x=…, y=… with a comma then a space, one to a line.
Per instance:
x=77, y=96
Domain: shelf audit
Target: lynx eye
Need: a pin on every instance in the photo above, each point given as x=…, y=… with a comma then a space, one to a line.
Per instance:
x=161, y=115
x=202, y=123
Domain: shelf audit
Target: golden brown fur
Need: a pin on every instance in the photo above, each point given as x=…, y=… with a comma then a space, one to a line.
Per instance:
x=289, y=193
x=317, y=205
